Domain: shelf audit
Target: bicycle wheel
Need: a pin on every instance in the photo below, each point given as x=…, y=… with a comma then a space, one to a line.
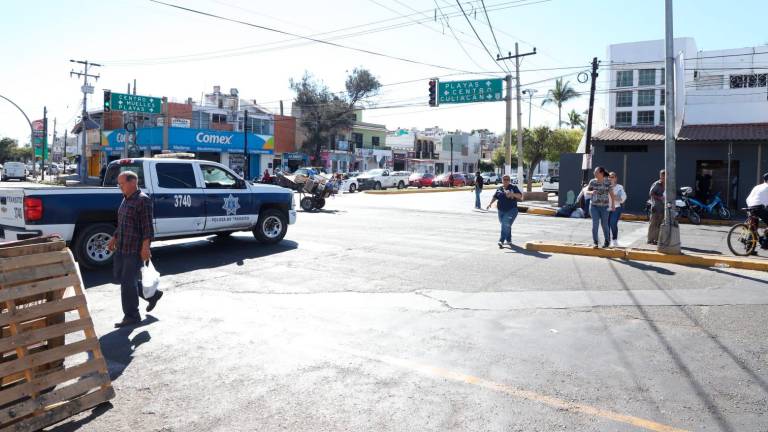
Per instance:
x=724, y=213
x=742, y=240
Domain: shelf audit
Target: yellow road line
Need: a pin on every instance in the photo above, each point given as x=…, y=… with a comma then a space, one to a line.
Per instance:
x=516, y=392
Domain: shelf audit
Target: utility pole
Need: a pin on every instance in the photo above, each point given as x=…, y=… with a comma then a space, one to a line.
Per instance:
x=85, y=75
x=54, y=135
x=590, y=115
x=451, y=171
x=65, y=151
x=530, y=93
x=246, y=165
x=166, y=123
x=44, y=144
x=519, y=113
x=669, y=236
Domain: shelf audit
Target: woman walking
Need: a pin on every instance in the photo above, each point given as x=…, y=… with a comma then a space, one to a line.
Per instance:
x=601, y=204
x=507, y=196
x=615, y=214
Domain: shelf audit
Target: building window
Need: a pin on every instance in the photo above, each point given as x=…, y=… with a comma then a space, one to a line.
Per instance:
x=663, y=75
x=749, y=80
x=661, y=117
x=357, y=139
x=624, y=78
x=624, y=99
x=218, y=118
x=647, y=77
x=646, y=98
x=662, y=97
x=375, y=141
x=645, y=118
x=623, y=118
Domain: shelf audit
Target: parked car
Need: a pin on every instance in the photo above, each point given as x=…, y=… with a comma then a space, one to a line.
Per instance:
x=421, y=180
x=491, y=177
x=551, y=184
x=349, y=184
x=14, y=171
x=379, y=178
x=443, y=180
x=469, y=179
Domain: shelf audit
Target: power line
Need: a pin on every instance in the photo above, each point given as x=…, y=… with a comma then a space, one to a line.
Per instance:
x=447, y=23
x=218, y=53
x=492, y=32
x=458, y=2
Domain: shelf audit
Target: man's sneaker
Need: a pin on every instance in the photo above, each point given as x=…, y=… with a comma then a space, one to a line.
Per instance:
x=606, y=245
x=501, y=245
x=594, y=246
x=614, y=243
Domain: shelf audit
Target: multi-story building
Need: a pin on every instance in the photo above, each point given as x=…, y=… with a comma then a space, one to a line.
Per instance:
x=721, y=115
x=460, y=148
x=214, y=129
x=414, y=151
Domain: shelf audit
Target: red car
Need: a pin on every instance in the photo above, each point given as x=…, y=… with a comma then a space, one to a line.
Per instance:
x=443, y=180
x=421, y=180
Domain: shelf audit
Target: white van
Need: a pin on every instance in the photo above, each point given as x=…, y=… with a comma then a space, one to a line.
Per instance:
x=14, y=170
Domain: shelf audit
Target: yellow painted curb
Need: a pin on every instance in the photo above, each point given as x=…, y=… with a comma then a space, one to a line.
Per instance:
x=541, y=211
x=701, y=260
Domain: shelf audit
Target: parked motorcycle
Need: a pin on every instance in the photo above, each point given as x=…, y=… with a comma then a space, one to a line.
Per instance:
x=684, y=209
x=715, y=208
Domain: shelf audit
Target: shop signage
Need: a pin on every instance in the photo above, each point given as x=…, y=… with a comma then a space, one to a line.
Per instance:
x=187, y=139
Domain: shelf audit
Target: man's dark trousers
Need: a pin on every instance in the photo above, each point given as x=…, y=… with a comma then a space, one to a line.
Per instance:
x=127, y=269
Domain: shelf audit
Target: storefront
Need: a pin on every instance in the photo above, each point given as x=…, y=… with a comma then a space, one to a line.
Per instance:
x=217, y=146
x=293, y=161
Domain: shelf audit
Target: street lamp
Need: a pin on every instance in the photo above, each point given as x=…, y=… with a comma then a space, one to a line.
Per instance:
x=530, y=93
x=31, y=129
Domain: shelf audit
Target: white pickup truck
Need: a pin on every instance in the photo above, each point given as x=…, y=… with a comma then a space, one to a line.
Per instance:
x=190, y=198
x=378, y=179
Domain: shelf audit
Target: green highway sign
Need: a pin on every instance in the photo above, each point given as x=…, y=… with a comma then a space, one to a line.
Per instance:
x=481, y=90
x=134, y=103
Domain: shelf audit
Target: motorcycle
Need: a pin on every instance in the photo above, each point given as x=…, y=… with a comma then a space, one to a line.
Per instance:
x=716, y=207
x=684, y=209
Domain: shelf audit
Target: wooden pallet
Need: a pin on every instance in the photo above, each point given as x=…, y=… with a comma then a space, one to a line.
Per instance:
x=44, y=379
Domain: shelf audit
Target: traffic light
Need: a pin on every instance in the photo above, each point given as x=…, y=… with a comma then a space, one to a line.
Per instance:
x=107, y=100
x=433, y=92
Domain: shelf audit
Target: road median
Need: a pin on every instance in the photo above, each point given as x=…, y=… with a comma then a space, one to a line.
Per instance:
x=688, y=259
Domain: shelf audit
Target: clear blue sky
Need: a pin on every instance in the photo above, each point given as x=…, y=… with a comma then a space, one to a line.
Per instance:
x=144, y=40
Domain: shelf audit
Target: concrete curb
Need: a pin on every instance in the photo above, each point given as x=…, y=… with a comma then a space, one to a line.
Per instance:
x=699, y=260
x=641, y=218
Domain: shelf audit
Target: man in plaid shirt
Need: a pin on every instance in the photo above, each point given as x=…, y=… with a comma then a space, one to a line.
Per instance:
x=131, y=246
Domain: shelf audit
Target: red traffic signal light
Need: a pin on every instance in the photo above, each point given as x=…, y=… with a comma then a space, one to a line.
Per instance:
x=433, y=92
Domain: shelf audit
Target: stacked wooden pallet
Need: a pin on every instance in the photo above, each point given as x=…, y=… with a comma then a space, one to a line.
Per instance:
x=51, y=365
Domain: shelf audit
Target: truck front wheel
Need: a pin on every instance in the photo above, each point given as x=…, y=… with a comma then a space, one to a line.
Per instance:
x=91, y=245
x=377, y=186
x=271, y=227
x=401, y=185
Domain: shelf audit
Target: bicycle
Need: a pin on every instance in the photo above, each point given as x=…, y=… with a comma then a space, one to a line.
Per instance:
x=743, y=238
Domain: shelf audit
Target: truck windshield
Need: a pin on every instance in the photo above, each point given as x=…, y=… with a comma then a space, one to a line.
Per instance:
x=375, y=172
x=114, y=170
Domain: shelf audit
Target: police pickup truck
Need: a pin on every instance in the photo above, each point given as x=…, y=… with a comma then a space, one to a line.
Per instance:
x=190, y=198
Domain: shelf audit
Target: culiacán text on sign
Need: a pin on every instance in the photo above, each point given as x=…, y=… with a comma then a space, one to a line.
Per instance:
x=135, y=103
x=482, y=90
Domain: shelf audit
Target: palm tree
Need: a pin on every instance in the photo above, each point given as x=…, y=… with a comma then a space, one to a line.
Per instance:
x=575, y=119
x=559, y=95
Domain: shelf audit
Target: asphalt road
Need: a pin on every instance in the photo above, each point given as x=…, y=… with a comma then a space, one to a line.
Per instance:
x=400, y=313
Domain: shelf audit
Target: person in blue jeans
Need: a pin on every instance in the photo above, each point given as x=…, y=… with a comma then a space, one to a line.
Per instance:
x=615, y=214
x=478, y=189
x=603, y=200
x=506, y=197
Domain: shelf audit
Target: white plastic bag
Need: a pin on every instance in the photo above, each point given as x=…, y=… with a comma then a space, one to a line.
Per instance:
x=150, y=280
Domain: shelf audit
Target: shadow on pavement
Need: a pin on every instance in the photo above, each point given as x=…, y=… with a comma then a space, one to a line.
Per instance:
x=197, y=254
x=95, y=413
x=703, y=251
x=523, y=251
x=706, y=399
x=643, y=266
x=118, y=347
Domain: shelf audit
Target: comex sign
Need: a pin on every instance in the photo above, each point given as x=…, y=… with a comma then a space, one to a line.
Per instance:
x=205, y=138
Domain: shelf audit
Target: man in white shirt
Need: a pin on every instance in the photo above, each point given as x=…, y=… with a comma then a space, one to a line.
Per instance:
x=757, y=201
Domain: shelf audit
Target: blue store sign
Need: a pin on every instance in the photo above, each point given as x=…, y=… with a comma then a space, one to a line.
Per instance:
x=192, y=140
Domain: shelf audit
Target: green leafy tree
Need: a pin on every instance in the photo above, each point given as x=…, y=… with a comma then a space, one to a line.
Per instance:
x=562, y=93
x=543, y=143
x=575, y=120
x=7, y=148
x=499, y=157
x=23, y=154
x=485, y=166
x=323, y=113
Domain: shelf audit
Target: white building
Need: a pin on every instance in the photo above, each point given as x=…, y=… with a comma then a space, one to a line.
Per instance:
x=713, y=87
